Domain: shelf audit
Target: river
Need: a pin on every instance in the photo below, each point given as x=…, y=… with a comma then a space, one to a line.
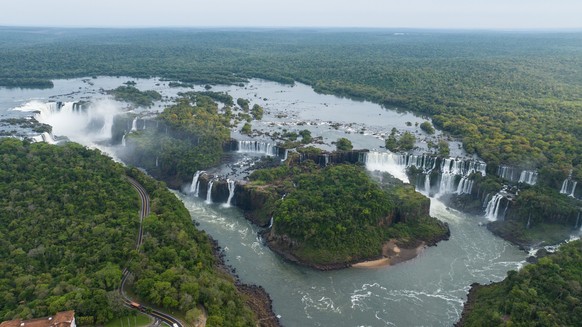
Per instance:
x=426, y=291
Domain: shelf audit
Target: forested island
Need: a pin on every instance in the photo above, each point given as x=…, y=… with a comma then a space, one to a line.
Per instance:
x=68, y=226
x=336, y=216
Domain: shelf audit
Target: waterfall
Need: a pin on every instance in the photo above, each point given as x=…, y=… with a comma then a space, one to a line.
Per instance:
x=123, y=140
x=528, y=222
x=493, y=207
x=386, y=162
x=515, y=174
x=44, y=137
x=134, y=125
x=569, y=187
x=509, y=173
x=427, y=183
x=528, y=177
x=257, y=147
x=564, y=189
x=67, y=119
x=573, y=188
x=231, y=187
x=447, y=183
x=486, y=202
x=450, y=168
x=157, y=163
x=577, y=220
x=270, y=222
x=465, y=186
x=209, y=192
x=195, y=186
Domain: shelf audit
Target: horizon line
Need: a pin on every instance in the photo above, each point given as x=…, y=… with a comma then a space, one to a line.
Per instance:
x=235, y=27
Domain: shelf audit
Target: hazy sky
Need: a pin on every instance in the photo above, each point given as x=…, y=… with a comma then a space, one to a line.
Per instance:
x=504, y=14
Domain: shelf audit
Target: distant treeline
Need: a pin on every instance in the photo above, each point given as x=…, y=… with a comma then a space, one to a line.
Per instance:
x=513, y=98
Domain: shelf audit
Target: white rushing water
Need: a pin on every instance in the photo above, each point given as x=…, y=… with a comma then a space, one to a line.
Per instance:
x=231, y=188
x=492, y=210
x=195, y=186
x=209, y=192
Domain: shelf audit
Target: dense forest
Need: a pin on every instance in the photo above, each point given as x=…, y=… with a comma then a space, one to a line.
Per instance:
x=68, y=226
x=68, y=223
x=339, y=214
x=547, y=293
x=513, y=98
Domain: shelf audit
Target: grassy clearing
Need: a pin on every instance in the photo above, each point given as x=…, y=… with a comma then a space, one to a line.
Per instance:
x=138, y=320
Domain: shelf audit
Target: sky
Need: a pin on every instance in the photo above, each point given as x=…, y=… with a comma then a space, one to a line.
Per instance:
x=456, y=14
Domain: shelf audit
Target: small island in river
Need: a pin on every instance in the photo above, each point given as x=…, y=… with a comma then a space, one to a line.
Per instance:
x=336, y=216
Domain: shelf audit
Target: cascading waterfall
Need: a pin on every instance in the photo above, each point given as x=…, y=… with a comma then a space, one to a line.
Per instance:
x=427, y=183
x=465, y=186
x=257, y=147
x=573, y=188
x=134, y=125
x=529, y=177
x=195, y=186
x=493, y=207
x=209, y=192
x=231, y=188
x=515, y=174
x=509, y=173
x=270, y=222
x=44, y=137
x=578, y=220
x=569, y=187
x=450, y=168
x=486, y=202
x=123, y=140
x=71, y=120
x=386, y=162
x=285, y=154
x=157, y=163
x=564, y=189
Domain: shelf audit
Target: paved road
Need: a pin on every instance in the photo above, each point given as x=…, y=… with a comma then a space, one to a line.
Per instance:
x=144, y=211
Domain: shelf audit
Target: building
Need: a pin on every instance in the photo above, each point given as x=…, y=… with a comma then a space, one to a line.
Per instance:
x=61, y=319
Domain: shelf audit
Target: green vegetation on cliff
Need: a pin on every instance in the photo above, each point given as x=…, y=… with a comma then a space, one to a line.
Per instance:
x=338, y=214
x=189, y=137
x=548, y=293
x=134, y=96
x=68, y=225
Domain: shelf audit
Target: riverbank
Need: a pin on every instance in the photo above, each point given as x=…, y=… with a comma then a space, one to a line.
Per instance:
x=469, y=305
x=258, y=300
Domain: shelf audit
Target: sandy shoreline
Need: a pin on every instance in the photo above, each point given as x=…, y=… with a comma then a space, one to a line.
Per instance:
x=391, y=255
